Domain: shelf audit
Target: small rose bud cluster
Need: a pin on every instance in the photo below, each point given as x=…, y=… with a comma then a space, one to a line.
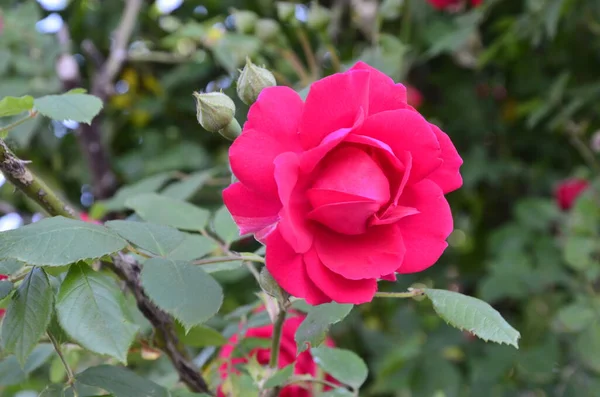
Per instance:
x=253, y=79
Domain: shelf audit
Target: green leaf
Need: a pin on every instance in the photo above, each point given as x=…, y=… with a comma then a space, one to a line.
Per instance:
x=186, y=188
x=339, y=392
x=70, y=106
x=28, y=315
x=59, y=241
x=168, y=211
x=224, y=226
x=474, y=315
x=587, y=347
x=89, y=310
x=11, y=371
x=11, y=106
x=280, y=377
x=121, y=382
x=222, y=266
x=579, y=251
x=157, y=239
x=10, y=266
x=200, y=336
x=146, y=185
x=192, y=247
x=343, y=365
x=574, y=318
x=77, y=91
x=181, y=289
x=5, y=288
x=314, y=328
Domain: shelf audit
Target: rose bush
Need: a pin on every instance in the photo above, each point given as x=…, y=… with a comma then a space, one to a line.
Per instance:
x=568, y=191
x=304, y=363
x=344, y=189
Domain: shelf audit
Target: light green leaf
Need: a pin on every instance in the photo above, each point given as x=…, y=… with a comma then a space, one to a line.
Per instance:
x=579, y=251
x=200, y=336
x=181, y=289
x=168, y=211
x=11, y=106
x=12, y=373
x=77, y=107
x=146, y=185
x=89, y=311
x=5, y=288
x=77, y=91
x=339, y=392
x=574, y=318
x=280, y=377
x=10, y=266
x=157, y=239
x=474, y=315
x=184, y=189
x=224, y=226
x=59, y=241
x=28, y=315
x=192, y=247
x=222, y=266
x=314, y=328
x=343, y=365
x=121, y=382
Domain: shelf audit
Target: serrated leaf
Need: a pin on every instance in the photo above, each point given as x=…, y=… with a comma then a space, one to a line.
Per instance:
x=10, y=266
x=146, y=185
x=181, y=289
x=121, y=382
x=192, y=247
x=70, y=106
x=12, y=373
x=168, y=211
x=473, y=315
x=28, y=315
x=5, y=288
x=184, y=189
x=157, y=239
x=344, y=365
x=224, y=226
x=200, y=336
x=88, y=309
x=11, y=106
x=314, y=328
x=59, y=241
x=280, y=377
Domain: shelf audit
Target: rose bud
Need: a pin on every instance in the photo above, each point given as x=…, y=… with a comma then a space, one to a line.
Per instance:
x=285, y=11
x=318, y=16
x=244, y=21
x=252, y=81
x=568, y=191
x=215, y=112
x=267, y=29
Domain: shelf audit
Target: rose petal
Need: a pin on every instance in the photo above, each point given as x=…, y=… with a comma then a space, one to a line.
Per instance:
x=377, y=252
x=425, y=233
x=393, y=215
x=288, y=269
x=346, y=217
x=251, y=211
x=384, y=94
x=389, y=277
x=405, y=130
x=447, y=176
x=333, y=103
x=340, y=289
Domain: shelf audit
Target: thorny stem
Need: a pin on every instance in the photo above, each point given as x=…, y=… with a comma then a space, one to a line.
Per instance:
x=9, y=127
x=410, y=294
x=70, y=375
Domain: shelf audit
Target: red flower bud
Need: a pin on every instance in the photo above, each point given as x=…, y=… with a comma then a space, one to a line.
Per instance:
x=568, y=191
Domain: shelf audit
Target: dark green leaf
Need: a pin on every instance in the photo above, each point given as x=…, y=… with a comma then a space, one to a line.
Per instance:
x=181, y=289
x=314, y=328
x=70, y=106
x=224, y=226
x=185, y=189
x=11, y=106
x=121, y=382
x=280, y=377
x=28, y=315
x=343, y=365
x=89, y=311
x=157, y=239
x=10, y=266
x=5, y=288
x=168, y=211
x=44, y=243
x=146, y=185
x=11, y=371
x=200, y=336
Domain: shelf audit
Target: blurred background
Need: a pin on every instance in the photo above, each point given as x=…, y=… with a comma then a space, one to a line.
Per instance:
x=516, y=85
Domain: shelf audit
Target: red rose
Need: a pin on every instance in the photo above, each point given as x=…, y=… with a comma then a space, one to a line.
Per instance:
x=413, y=97
x=443, y=4
x=344, y=189
x=3, y=277
x=305, y=364
x=568, y=191
x=86, y=218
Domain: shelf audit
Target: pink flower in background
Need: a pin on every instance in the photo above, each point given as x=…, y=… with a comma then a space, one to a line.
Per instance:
x=444, y=4
x=344, y=189
x=568, y=191
x=305, y=364
x=3, y=277
x=86, y=218
x=413, y=97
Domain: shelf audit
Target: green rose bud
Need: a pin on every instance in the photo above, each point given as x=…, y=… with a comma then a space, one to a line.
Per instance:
x=244, y=21
x=267, y=30
x=318, y=16
x=285, y=11
x=251, y=82
x=215, y=112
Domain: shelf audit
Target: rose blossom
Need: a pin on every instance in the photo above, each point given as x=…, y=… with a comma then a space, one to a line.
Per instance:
x=568, y=191
x=345, y=188
x=3, y=277
x=305, y=364
x=443, y=4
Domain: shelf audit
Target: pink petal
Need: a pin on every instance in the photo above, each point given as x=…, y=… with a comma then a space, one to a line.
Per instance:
x=393, y=214
x=373, y=254
x=345, y=217
x=425, y=233
x=447, y=176
x=406, y=130
x=276, y=112
x=251, y=156
x=294, y=225
x=384, y=94
x=252, y=212
x=338, y=288
x=288, y=269
x=389, y=277
x=333, y=103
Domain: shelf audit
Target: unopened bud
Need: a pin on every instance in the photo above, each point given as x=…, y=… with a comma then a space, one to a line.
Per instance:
x=267, y=29
x=285, y=11
x=252, y=81
x=214, y=110
x=244, y=21
x=318, y=16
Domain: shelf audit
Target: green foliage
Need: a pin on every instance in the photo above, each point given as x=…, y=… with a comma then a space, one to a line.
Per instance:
x=280, y=377
x=120, y=382
x=10, y=106
x=168, y=211
x=70, y=106
x=343, y=365
x=156, y=239
x=313, y=330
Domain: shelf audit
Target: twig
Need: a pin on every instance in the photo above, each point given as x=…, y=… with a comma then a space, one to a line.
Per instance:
x=295, y=63
x=410, y=294
x=70, y=375
x=275, y=348
x=18, y=122
x=308, y=53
